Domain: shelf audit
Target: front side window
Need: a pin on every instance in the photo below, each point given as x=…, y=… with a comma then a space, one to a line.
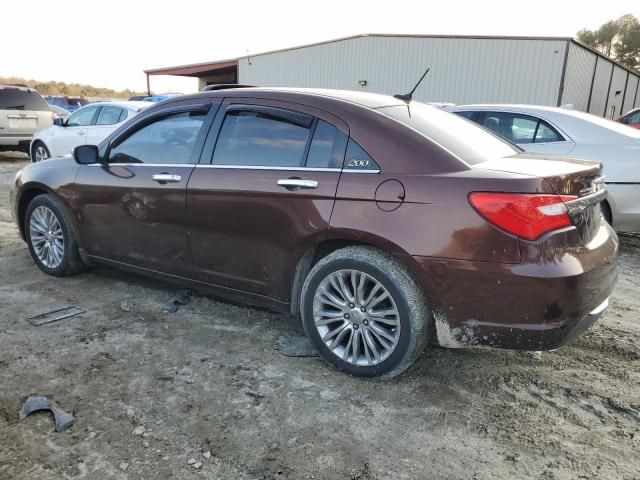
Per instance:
x=254, y=138
x=467, y=115
x=167, y=140
x=634, y=117
x=109, y=115
x=327, y=147
x=82, y=117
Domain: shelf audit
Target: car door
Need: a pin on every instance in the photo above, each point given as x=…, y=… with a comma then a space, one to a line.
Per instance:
x=132, y=208
x=106, y=122
x=264, y=194
x=529, y=132
x=73, y=132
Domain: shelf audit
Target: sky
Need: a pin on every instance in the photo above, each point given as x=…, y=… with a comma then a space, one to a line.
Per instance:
x=110, y=43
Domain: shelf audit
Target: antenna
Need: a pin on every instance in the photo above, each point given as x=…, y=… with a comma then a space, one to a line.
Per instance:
x=408, y=96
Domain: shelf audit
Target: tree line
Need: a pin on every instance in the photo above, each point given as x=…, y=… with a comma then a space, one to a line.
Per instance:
x=618, y=39
x=70, y=89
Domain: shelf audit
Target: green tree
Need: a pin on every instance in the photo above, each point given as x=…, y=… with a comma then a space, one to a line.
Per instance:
x=619, y=39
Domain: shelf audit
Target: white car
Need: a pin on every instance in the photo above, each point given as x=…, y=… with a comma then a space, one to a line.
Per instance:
x=561, y=131
x=88, y=125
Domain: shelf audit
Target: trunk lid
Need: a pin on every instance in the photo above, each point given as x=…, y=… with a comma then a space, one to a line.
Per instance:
x=563, y=176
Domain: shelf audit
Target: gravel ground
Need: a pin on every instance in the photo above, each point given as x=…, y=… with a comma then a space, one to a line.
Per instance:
x=202, y=393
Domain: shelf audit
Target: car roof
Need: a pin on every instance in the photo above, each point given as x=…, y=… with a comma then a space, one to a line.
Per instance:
x=17, y=87
x=365, y=99
x=509, y=106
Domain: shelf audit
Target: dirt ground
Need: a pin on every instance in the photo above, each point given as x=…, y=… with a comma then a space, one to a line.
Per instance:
x=208, y=379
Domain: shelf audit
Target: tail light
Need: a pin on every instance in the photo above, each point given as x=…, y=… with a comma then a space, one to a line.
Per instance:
x=528, y=216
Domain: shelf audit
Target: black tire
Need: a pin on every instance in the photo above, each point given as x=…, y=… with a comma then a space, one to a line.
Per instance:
x=606, y=212
x=71, y=262
x=410, y=301
x=38, y=144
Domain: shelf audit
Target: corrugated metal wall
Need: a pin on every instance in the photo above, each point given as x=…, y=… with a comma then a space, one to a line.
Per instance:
x=616, y=92
x=630, y=94
x=600, y=91
x=577, y=80
x=463, y=70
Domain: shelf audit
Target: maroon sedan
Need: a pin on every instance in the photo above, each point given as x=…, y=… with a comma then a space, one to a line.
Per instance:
x=386, y=225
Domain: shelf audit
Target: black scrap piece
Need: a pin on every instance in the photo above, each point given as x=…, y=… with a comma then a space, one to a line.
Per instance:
x=62, y=419
x=182, y=297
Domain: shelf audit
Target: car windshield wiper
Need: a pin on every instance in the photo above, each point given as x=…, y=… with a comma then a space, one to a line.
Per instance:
x=14, y=107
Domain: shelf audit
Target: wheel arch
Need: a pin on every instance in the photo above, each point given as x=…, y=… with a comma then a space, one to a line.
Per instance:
x=33, y=142
x=330, y=243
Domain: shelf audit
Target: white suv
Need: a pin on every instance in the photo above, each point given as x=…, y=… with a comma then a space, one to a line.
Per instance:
x=22, y=113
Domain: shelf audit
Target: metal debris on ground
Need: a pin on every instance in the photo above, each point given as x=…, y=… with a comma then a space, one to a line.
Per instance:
x=296, y=347
x=182, y=297
x=55, y=315
x=125, y=305
x=62, y=419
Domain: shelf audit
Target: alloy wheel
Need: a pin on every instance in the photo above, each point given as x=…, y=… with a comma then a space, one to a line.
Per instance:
x=356, y=317
x=40, y=153
x=46, y=236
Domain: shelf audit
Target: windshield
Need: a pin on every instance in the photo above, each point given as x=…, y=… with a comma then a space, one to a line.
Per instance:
x=463, y=138
x=22, y=100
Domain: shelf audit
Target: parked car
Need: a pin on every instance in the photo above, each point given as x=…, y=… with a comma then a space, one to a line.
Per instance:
x=385, y=225
x=59, y=112
x=631, y=118
x=90, y=124
x=22, y=113
x=559, y=131
x=70, y=104
x=160, y=97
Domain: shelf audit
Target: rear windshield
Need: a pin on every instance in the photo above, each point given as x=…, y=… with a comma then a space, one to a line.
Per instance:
x=463, y=138
x=22, y=100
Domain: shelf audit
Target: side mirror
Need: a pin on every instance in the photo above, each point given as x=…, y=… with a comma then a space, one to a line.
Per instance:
x=86, y=154
x=58, y=121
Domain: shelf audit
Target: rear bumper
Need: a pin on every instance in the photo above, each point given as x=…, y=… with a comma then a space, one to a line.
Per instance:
x=15, y=142
x=542, y=303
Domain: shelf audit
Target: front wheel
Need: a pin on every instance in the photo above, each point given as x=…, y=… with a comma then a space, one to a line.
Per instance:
x=364, y=312
x=50, y=237
x=39, y=152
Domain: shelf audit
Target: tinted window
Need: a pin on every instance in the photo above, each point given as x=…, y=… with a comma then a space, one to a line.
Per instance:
x=258, y=139
x=357, y=159
x=123, y=115
x=22, y=100
x=327, y=147
x=459, y=136
x=546, y=133
x=82, y=117
x=634, y=117
x=167, y=140
x=109, y=115
x=515, y=128
x=467, y=115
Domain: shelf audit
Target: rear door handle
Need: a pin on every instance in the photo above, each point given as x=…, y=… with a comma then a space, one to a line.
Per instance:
x=166, y=178
x=295, y=183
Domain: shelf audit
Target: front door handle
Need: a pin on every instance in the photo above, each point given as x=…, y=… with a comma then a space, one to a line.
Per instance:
x=295, y=183
x=166, y=178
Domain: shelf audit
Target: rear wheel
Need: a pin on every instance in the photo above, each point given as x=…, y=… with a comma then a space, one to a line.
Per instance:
x=50, y=238
x=39, y=152
x=364, y=312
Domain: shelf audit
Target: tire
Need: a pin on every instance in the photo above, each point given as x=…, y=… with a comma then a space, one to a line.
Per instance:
x=397, y=346
x=39, y=152
x=64, y=260
x=606, y=212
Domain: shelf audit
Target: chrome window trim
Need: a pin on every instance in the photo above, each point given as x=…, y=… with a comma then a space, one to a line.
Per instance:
x=233, y=167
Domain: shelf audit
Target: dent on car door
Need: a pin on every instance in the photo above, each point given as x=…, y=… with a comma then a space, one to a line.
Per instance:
x=132, y=208
x=269, y=187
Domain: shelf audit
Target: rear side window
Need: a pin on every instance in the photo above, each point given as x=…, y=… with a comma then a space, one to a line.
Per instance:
x=22, y=100
x=520, y=129
x=109, y=115
x=357, y=159
x=634, y=117
x=167, y=140
x=327, y=147
x=253, y=138
x=467, y=115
